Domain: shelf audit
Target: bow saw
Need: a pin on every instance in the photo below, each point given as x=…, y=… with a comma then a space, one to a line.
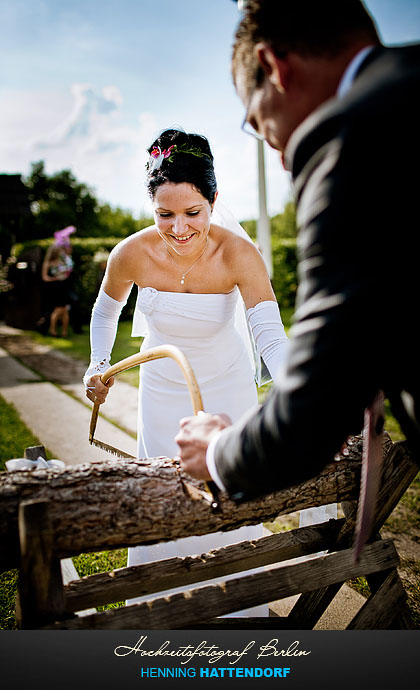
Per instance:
x=210, y=495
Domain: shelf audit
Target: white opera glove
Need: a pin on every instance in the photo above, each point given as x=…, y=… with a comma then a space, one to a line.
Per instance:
x=269, y=334
x=103, y=330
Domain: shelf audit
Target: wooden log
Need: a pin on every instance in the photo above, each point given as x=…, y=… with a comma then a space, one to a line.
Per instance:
x=203, y=603
x=116, y=503
x=140, y=580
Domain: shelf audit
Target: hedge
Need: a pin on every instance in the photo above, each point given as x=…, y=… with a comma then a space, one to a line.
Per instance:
x=88, y=269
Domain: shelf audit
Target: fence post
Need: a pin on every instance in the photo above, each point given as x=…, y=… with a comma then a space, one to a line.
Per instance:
x=40, y=587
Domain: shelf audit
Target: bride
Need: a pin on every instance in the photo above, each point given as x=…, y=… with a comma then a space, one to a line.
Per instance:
x=199, y=283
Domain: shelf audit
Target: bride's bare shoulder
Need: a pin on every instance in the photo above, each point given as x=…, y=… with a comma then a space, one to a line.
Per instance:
x=227, y=236
x=132, y=250
x=138, y=240
x=231, y=243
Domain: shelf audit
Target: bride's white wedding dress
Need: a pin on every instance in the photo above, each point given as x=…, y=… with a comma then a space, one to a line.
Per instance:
x=203, y=327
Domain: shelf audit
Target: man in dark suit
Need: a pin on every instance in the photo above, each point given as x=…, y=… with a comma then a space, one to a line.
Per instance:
x=344, y=113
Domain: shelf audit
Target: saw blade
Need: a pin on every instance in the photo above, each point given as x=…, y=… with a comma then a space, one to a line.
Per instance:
x=110, y=449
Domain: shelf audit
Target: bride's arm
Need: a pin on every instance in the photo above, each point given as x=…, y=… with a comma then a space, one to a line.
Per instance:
x=262, y=310
x=112, y=297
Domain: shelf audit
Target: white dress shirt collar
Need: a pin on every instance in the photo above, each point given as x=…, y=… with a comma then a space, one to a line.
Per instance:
x=351, y=71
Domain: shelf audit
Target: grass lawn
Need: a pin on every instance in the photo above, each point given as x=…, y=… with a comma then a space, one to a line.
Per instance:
x=15, y=436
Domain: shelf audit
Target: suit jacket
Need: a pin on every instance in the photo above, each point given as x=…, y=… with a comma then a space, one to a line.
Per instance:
x=355, y=165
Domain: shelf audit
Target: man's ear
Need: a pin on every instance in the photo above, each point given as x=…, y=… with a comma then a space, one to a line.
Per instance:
x=276, y=69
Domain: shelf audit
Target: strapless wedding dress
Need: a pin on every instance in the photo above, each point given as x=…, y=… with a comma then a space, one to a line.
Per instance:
x=203, y=327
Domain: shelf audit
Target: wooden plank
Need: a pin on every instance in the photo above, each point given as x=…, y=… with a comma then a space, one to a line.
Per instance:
x=69, y=574
x=382, y=607
x=244, y=623
x=39, y=585
x=310, y=606
x=399, y=471
x=125, y=583
x=200, y=604
x=404, y=620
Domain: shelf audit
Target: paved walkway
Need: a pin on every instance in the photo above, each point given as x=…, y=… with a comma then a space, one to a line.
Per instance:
x=58, y=413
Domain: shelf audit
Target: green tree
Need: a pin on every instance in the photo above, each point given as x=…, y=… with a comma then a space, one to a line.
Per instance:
x=283, y=226
x=59, y=200
x=119, y=222
x=251, y=228
x=283, y=243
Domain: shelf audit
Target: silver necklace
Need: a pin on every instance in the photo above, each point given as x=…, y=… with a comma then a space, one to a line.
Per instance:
x=191, y=267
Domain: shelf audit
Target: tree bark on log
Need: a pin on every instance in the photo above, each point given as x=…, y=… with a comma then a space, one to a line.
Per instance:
x=115, y=503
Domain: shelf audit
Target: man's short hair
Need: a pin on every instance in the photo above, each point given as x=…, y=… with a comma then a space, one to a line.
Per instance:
x=307, y=27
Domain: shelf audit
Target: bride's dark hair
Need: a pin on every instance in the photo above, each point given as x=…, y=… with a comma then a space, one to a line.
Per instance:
x=183, y=165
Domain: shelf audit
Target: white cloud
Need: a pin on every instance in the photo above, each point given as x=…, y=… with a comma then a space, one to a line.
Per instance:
x=84, y=131
x=90, y=118
x=89, y=131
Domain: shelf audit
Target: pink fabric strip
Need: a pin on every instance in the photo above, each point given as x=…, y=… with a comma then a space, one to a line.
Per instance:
x=371, y=471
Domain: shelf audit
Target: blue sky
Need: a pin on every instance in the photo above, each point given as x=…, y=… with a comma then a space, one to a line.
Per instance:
x=87, y=84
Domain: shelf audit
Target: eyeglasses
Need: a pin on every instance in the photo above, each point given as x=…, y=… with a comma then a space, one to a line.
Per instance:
x=246, y=126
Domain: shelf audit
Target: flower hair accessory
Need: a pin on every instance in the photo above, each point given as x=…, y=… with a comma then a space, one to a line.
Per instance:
x=157, y=155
